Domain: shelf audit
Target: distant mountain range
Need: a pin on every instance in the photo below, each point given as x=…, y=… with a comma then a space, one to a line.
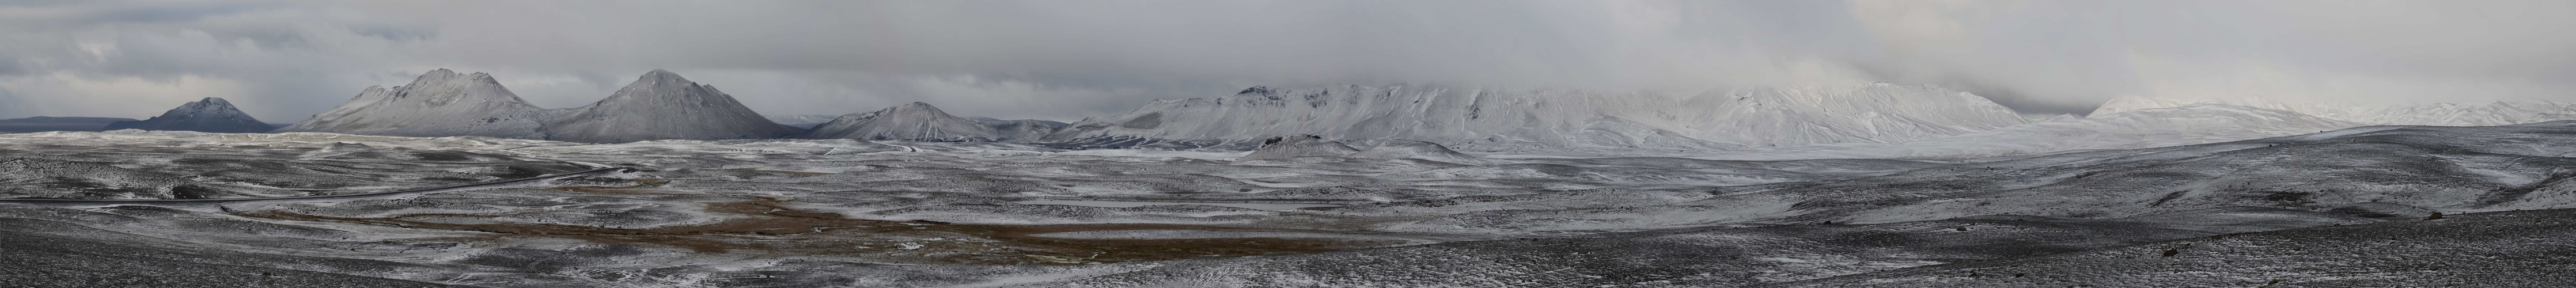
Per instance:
x=204, y=115
x=1480, y=119
x=663, y=105
x=1899, y=121
x=658, y=105
x=42, y=124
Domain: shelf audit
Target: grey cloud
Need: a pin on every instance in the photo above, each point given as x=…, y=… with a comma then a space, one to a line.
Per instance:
x=1063, y=60
x=10, y=105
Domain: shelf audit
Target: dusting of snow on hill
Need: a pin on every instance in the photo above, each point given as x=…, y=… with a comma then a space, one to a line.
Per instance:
x=207, y=115
x=662, y=105
x=921, y=122
x=438, y=104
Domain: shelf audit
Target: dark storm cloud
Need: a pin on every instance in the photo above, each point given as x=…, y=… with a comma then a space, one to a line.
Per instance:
x=1063, y=60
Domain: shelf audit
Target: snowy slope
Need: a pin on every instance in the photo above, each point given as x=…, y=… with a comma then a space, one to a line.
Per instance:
x=207, y=115
x=2439, y=114
x=1480, y=119
x=2157, y=127
x=438, y=104
x=1875, y=112
x=921, y=122
x=661, y=105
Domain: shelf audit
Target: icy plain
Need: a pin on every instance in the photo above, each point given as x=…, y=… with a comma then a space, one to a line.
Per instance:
x=2266, y=205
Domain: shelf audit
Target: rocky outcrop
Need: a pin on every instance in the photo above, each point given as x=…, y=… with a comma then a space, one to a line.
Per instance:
x=1297, y=146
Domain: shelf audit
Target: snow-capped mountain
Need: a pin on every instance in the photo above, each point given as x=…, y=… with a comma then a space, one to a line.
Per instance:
x=439, y=103
x=661, y=105
x=921, y=122
x=1478, y=119
x=206, y=115
x=2437, y=114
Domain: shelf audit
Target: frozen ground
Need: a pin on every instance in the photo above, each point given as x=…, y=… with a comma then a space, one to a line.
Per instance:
x=2343, y=208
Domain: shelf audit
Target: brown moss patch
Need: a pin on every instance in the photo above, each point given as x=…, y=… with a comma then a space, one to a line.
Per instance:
x=797, y=173
x=767, y=228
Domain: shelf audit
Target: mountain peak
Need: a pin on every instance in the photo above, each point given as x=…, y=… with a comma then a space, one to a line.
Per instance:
x=661, y=105
x=916, y=106
x=662, y=80
x=436, y=74
x=659, y=74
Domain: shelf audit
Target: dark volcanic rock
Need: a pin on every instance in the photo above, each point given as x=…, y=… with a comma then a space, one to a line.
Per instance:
x=1298, y=146
x=40, y=178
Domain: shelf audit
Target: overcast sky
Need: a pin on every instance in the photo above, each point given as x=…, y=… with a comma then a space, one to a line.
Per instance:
x=1063, y=60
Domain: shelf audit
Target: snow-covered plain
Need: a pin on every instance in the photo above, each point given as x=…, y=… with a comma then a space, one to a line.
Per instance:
x=2264, y=198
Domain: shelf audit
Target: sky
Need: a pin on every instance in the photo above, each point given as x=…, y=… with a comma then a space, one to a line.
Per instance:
x=283, y=61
